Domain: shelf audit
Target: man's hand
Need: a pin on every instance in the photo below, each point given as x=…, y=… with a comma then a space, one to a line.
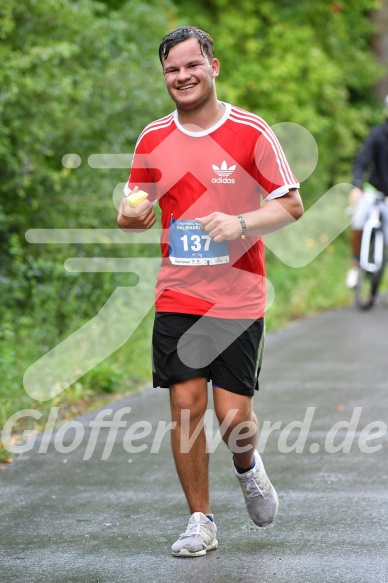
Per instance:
x=354, y=196
x=221, y=227
x=139, y=217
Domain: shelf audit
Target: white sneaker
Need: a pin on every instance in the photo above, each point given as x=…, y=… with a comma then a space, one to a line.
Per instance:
x=260, y=496
x=352, y=277
x=200, y=537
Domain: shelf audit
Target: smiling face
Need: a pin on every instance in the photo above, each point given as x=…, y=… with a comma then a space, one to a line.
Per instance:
x=189, y=76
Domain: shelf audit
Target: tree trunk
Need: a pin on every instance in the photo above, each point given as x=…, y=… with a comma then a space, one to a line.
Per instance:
x=380, y=19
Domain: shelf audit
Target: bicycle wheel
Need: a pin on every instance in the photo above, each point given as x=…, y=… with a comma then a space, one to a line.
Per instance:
x=369, y=279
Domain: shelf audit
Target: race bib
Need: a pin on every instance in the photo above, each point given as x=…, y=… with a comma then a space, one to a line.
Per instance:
x=190, y=246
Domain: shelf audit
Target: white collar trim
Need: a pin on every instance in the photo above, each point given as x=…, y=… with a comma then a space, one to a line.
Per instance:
x=208, y=131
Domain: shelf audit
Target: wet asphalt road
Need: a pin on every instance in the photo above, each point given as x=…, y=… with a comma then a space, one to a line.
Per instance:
x=65, y=519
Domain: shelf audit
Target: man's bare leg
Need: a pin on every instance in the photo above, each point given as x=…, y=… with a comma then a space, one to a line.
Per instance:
x=243, y=423
x=240, y=436
x=192, y=463
x=356, y=245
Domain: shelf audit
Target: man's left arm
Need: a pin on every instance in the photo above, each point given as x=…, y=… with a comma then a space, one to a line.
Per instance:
x=272, y=216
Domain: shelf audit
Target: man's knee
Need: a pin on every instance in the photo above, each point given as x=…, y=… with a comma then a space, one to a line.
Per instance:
x=241, y=407
x=189, y=400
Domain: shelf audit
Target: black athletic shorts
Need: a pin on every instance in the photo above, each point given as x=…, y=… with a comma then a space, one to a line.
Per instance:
x=224, y=351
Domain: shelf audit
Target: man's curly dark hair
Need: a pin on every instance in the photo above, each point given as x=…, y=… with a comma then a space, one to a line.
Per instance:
x=183, y=33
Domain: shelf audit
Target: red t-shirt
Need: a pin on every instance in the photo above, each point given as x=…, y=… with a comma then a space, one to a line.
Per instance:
x=230, y=168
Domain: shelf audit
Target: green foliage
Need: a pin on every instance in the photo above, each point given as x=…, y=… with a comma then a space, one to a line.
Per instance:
x=76, y=77
x=76, y=80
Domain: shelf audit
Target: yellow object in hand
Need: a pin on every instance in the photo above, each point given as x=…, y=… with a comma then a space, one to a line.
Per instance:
x=136, y=198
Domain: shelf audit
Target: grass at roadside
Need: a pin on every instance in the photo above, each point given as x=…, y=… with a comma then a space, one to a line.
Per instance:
x=299, y=293
x=125, y=371
x=307, y=291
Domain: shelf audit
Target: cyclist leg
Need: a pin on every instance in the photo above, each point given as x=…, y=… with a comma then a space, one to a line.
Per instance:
x=384, y=212
x=361, y=213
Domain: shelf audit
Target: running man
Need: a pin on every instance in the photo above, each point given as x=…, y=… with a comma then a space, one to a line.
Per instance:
x=209, y=165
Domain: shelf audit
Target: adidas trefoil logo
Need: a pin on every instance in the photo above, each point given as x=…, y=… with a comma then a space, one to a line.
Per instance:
x=224, y=172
